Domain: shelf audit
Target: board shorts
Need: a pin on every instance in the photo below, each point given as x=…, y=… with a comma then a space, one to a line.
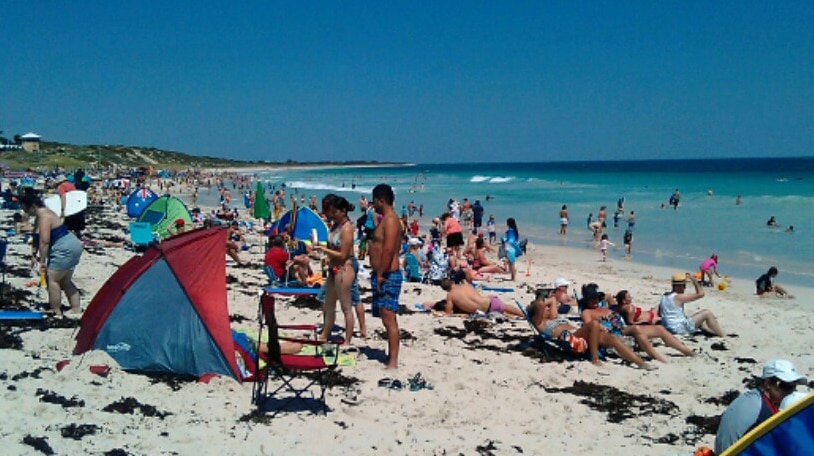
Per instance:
x=496, y=305
x=455, y=239
x=388, y=296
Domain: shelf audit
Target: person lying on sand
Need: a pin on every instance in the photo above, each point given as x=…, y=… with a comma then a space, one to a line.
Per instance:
x=589, y=337
x=593, y=311
x=465, y=297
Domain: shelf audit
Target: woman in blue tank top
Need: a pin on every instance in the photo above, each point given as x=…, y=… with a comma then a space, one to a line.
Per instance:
x=58, y=251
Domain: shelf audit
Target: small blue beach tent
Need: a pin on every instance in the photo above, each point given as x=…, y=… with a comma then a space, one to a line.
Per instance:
x=166, y=310
x=139, y=200
x=788, y=433
x=303, y=221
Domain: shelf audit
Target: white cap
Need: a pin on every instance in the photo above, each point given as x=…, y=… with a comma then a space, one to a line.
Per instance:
x=561, y=283
x=783, y=370
x=414, y=241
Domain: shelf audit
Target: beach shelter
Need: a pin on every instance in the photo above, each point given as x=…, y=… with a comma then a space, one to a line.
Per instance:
x=139, y=200
x=790, y=432
x=163, y=212
x=166, y=310
x=303, y=222
x=261, y=206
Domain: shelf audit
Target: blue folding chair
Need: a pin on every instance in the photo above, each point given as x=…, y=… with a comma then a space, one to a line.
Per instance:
x=141, y=235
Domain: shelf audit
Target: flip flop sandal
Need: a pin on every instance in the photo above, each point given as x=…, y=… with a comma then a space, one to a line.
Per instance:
x=391, y=383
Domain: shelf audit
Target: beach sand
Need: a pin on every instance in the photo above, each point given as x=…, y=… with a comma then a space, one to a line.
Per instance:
x=493, y=391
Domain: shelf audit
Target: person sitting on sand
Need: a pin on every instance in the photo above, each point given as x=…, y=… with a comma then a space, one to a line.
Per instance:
x=481, y=263
x=466, y=298
x=635, y=315
x=592, y=311
x=766, y=287
x=589, y=337
x=673, y=316
x=778, y=380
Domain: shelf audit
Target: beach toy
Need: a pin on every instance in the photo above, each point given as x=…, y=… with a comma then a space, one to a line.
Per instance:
x=722, y=286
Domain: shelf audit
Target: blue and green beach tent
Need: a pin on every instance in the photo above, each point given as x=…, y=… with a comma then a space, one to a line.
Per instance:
x=788, y=433
x=166, y=310
x=139, y=200
x=163, y=212
x=303, y=222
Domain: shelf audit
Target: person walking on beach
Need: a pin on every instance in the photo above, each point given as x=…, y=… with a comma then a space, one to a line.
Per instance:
x=603, y=246
x=386, y=276
x=59, y=251
x=492, y=229
x=477, y=216
x=453, y=233
x=511, y=245
x=628, y=242
x=564, y=220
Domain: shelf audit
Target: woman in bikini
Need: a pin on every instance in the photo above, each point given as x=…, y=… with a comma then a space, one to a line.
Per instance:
x=481, y=263
x=641, y=333
x=342, y=270
x=635, y=315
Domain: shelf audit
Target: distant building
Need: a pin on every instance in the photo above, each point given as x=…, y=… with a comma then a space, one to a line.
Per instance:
x=30, y=142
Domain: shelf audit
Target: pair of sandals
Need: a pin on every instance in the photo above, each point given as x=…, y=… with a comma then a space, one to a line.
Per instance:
x=416, y=383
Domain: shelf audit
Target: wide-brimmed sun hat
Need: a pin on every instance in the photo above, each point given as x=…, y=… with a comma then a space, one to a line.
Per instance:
x=679, y=278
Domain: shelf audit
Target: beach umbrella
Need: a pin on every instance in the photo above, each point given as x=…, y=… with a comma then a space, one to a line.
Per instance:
x=303, y=222
x=261, y=207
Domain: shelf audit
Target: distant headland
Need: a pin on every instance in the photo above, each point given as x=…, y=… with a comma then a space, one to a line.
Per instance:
x=52, y=155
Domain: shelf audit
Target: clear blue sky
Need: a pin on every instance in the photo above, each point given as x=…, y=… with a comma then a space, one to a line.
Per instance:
x=420, y=81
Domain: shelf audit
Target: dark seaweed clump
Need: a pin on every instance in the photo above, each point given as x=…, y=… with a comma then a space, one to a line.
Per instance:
x=724, y=399
x=174, y=381
x=51, y=397
x=77, y=431
x=38, y=443
x=129, y=406
x=618, y=404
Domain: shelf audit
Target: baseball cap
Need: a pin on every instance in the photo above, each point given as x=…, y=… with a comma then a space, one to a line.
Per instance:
x=179, y=222
x=414, y=241
x=561, y=283
x=783, y=370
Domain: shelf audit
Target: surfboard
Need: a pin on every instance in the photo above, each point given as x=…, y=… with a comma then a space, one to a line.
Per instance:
x=75, y=201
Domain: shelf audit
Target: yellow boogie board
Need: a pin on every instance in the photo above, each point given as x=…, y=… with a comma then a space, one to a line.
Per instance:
x=790, y=432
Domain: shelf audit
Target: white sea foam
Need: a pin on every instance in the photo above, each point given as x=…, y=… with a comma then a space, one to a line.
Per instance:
x=491, y=179
x=321, y=186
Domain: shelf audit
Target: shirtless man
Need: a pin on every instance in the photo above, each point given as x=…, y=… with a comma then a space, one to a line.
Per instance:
x=386, y=277
x=590, y=336
x=464, y=297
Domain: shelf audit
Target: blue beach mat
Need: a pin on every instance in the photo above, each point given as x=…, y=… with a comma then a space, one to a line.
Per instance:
x=21, y=315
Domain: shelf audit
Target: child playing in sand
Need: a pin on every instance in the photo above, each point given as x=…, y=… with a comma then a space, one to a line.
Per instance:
x=603, y=246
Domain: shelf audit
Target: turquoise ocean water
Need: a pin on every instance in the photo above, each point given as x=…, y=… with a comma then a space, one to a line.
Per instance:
x=533, y=193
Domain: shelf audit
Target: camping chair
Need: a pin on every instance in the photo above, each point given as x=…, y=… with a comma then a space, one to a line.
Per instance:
x=308, y=371
x=141, y=235
x=555, y=344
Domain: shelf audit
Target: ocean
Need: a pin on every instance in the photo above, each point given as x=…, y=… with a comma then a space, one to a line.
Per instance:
x=533, y=194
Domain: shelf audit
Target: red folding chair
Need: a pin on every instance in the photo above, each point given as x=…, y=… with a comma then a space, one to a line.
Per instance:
x=296, y=374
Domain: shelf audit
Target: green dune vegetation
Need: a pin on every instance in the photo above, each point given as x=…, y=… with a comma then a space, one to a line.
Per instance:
x=69, y=156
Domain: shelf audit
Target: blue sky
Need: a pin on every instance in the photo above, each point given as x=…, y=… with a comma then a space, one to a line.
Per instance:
x=419, y=81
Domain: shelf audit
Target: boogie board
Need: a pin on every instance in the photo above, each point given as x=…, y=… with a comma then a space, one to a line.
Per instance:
x=75, y=201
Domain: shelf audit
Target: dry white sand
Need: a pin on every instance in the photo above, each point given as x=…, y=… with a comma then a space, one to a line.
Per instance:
x=488, y=396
